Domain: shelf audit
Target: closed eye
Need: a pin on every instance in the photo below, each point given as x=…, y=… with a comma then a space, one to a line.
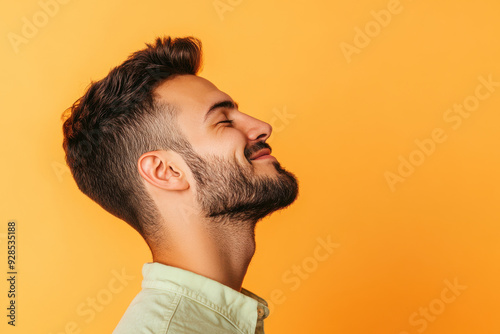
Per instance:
x=230, y=121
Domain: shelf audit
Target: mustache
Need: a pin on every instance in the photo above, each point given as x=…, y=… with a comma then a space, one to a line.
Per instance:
x=256, y=147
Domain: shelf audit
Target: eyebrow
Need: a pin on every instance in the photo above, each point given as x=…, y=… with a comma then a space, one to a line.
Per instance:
x=222, y=104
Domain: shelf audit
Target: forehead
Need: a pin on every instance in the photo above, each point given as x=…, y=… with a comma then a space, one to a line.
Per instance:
x=192, y=94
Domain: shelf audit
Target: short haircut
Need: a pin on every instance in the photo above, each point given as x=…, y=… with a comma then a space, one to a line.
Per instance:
x=118, y=119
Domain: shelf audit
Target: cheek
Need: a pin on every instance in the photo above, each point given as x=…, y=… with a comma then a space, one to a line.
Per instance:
x=232, y=140
x=227, y=142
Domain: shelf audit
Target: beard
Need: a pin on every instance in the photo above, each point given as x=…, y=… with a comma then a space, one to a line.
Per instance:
x=229, y=193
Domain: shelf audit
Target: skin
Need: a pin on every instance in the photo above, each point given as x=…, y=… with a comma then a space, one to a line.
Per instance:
x=190, y=240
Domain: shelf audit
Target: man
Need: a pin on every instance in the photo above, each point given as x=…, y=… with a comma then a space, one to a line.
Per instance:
x=169, y=153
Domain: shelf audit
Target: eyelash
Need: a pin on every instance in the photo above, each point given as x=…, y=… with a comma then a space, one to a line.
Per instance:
x=230, y=121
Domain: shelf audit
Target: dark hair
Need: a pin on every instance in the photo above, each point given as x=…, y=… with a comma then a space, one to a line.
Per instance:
x=117, y=120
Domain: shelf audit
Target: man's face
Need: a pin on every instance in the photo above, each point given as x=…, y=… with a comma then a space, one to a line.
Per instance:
x=235, y=175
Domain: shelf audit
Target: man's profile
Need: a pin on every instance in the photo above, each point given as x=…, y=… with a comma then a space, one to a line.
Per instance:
x=163, y=149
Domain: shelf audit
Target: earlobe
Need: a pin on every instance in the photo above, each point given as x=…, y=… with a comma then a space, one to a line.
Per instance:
x=160, y=170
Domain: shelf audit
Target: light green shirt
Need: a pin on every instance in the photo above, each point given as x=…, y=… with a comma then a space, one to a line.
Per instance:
x=177, y=301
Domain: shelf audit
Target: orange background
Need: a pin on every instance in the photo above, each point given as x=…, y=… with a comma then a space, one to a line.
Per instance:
x=350, y=119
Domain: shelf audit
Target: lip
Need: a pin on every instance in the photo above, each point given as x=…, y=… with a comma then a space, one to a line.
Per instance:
x=265, y=156
x=265, y=152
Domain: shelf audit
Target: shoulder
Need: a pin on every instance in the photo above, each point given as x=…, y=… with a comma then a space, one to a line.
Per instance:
x=149, y=312
x=155, y=311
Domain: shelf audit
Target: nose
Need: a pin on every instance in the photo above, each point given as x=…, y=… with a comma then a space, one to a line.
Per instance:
x=255, y=129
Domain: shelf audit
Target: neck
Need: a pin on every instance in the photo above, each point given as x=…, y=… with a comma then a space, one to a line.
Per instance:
x=220, y=251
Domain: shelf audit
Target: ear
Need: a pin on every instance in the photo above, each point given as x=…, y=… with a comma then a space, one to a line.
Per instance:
x=160, y=170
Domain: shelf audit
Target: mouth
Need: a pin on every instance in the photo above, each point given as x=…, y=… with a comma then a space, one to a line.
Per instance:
x=262, y=154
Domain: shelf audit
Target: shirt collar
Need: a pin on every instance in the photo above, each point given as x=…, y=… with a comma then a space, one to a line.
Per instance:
x=245, y=309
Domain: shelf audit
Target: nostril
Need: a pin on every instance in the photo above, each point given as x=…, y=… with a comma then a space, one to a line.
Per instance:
x=261, y=135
